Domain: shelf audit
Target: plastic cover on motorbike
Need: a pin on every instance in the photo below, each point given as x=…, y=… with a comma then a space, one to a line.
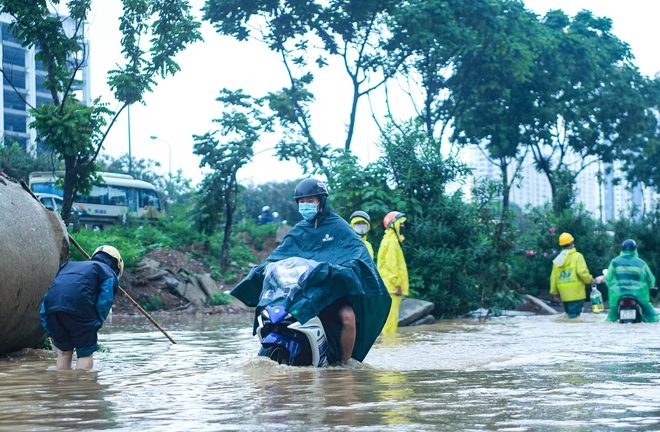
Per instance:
x=344, y=269
x=283, y=279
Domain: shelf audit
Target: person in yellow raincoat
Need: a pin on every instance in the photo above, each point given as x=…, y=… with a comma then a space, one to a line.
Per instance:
x=392, y=266
x=569, y=276
x=361, y=223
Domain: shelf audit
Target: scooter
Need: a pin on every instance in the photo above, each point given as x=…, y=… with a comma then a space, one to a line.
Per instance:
x=287, y=341
x=629, y=310
x=284, y=339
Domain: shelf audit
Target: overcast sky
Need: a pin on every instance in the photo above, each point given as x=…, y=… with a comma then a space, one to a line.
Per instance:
x=184, y=104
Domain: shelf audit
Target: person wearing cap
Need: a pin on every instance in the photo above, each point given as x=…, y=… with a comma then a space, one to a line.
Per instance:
x=392, y=266
x=344, y=290
x=629, y=274
x=568, y=277
x=77, y=304
x=361, y=223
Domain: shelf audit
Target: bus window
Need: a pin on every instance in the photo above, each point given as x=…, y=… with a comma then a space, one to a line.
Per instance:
x=46, y=188
x=98, y=195
x=145, y=195
x=117, y=195
x=133, y=198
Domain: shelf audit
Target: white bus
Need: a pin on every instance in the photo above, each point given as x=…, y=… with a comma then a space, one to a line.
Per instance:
x=108, y=202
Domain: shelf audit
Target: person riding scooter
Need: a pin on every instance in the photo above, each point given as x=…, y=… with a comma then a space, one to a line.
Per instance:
x=628, y=274
x=344, y=290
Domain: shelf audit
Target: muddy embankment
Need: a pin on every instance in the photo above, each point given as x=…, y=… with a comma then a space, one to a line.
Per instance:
x=169, y=281
x=33, y=245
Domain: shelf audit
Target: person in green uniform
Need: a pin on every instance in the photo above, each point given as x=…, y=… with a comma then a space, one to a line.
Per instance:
x=629, y=274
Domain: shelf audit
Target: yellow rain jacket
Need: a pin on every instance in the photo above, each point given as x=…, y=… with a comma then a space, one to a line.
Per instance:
x=569, y=276
x=393, y=270
x=364, y=237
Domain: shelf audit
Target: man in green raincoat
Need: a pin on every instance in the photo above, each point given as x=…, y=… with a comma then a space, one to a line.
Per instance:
x=345, y=290
x=629, y=274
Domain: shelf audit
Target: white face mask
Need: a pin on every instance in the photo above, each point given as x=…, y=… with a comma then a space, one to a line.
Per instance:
x=361, y=229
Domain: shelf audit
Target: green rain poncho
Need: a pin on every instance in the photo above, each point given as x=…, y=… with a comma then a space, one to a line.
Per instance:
x=344, y=269
x=628, y=274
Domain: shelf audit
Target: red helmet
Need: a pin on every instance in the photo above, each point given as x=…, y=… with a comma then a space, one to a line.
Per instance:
x=391, y=217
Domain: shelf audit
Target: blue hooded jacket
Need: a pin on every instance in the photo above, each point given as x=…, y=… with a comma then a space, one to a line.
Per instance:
x=83, y=289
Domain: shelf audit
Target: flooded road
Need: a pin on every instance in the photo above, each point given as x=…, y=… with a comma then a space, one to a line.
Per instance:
x=509, y=374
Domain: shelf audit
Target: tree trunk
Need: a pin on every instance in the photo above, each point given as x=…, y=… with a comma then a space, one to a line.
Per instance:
x=351, y=124
x=229, y=208
x=506, y=187
x=70, y=175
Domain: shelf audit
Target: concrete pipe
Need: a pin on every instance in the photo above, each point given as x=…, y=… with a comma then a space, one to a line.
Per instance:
x=33, y=245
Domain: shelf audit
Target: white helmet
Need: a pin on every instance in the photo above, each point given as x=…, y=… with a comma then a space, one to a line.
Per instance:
x=276, y=214
x=265, y=208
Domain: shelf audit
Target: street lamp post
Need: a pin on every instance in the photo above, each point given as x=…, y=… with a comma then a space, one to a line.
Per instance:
x=153, y=137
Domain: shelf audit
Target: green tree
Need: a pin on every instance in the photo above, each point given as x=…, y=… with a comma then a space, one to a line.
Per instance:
x=432, y=36
x=15, y=162
x=449, y=247
x=241, y=126
x=153, y=32
x=494, y=80
x=355, y=32
x=589, y=100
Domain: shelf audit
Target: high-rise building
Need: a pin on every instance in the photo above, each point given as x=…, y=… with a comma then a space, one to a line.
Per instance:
x=22, y=84
x=608, y=199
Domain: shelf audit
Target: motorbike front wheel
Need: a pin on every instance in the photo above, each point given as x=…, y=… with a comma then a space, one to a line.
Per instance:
x=276, y=353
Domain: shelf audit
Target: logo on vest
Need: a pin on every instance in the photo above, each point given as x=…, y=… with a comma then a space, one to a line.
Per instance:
x=328, y=238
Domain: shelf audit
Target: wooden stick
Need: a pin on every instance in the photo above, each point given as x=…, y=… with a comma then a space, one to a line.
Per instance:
x=125, y=294
x=121, y=290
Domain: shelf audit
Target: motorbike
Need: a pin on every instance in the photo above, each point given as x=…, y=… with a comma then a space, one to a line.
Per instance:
x=629, y=310
x=284, y=339
x=628, y=307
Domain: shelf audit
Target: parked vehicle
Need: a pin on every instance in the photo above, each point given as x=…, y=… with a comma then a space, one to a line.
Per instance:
x=50, y=201
x=119, y=196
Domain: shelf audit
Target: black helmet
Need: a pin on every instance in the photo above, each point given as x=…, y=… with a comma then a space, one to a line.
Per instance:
x=629, y=245
x=361, y=214
x=310, y=187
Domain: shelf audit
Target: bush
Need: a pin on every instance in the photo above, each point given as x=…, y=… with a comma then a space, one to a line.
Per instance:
x=537, y=245
x=218, y=299
x=153, y=304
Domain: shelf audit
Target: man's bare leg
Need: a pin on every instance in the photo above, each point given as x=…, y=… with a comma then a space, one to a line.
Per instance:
x=348, y=330
x=64, y=359
x=86, y=363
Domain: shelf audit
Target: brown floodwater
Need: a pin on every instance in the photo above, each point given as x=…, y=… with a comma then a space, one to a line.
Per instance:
x=507, y=374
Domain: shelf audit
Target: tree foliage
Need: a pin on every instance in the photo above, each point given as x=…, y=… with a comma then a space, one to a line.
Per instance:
x=241, y=125
x=153, y=32
x=15, y=162
x=303, y=33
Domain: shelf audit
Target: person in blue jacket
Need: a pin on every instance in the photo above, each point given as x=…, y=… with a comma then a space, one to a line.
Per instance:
x=78, y=302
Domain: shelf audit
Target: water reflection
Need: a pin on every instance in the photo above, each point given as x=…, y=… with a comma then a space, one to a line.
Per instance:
x=36, y=396
x=523, y=373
